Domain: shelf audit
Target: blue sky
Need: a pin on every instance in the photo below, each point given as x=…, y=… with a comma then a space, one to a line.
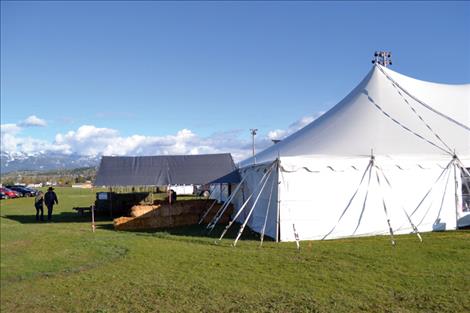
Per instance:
x=200, y=74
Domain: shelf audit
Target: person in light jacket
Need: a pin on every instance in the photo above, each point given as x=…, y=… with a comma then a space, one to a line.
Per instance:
x=50, y=198
x=38, y=204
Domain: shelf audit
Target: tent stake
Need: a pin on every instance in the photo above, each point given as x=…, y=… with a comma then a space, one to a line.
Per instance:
x=296, y=236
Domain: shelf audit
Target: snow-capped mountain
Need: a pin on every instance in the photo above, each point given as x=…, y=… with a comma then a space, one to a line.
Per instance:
x=44, y=161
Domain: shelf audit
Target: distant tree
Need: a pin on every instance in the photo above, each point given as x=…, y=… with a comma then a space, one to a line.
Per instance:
x=8, y=181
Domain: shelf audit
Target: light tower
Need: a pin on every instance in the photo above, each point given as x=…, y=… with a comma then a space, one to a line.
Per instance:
x=383, y=58
x=253, y=134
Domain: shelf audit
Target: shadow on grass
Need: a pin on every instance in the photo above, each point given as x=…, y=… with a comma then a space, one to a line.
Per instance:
x=195, y=231
x=63, y=217
x=198, y=232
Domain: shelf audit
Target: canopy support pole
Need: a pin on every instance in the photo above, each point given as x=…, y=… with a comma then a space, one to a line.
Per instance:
x=464, y=181
x=210, y=207
x=456, y=197
x=207, y=211
x=220, y=193
x=246, y=202
x=93, y=226
x=443, y=197
x=111, y=201
x=242, y=228
x=267, y=213
x=278, y=206
x=223, y=208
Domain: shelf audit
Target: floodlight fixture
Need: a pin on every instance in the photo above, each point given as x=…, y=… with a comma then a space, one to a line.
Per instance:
x=383, y=58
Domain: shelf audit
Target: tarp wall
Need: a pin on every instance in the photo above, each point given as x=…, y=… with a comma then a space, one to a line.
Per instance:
x=165, y=170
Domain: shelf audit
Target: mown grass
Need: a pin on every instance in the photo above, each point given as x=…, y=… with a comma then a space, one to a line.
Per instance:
x=64, y=267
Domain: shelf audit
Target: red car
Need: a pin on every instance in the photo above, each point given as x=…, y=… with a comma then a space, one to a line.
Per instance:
x=9, y=193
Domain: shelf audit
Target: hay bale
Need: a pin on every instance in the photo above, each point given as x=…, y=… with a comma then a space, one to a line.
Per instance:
x=139, y=210
x=164, y=215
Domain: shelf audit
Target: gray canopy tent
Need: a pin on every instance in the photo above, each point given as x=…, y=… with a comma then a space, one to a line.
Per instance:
x=164, y=170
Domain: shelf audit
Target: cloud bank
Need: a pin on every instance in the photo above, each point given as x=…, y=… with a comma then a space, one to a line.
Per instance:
x=90, y=140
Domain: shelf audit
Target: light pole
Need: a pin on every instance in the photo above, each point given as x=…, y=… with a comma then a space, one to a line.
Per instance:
x=253, y=134
x=383, y=58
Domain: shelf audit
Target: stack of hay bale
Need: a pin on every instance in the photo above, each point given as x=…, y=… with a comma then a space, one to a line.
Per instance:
x=165, y=215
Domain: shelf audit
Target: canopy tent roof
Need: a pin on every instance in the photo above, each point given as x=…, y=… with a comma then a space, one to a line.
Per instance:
x=389, y=113
x=165, y=170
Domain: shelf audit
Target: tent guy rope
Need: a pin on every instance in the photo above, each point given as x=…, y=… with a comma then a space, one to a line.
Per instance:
x=422, y=103
x=350, y=200
x=402, y=125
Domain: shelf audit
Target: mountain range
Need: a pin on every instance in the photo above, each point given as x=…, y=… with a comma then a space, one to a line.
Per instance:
x=45, y=161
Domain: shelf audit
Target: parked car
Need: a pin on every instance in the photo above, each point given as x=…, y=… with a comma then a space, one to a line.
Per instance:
x=9, y=193
x=202, y=190
x=3, y=195
x=23, y=191
x=34, y=191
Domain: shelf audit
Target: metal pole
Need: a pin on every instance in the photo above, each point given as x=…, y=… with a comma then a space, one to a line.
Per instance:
x=93, y=226
x=169, y=194
x=278, y=213
x=456, y=187
x=253, y=134
x=111, y=201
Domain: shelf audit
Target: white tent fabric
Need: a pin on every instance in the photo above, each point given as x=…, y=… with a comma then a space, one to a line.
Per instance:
x=323, y=190
x=355, y=125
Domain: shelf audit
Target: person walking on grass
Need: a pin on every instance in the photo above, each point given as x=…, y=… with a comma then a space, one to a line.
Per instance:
x=38, y=204
x=50, y=198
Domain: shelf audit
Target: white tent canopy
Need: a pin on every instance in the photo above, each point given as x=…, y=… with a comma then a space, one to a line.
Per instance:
x=355, y=125
x=326, y=185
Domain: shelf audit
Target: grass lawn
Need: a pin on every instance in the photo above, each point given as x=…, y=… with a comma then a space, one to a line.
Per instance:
x=64, y=267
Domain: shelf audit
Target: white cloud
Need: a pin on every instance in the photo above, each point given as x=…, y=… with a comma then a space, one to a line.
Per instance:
x=33, y=121
x=91, y=140
x=12, y=143
x=9, y=129
x=299, y=124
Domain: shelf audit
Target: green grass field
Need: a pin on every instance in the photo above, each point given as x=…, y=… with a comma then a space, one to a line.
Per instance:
x=64, y=267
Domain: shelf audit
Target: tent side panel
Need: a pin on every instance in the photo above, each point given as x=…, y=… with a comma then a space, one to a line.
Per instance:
x=314, y=202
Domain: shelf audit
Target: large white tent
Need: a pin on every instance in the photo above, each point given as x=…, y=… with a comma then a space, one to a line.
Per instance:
x=388, y=159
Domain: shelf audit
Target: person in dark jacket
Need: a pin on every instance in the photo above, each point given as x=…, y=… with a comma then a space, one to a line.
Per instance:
x=38, y=204
x=50, y=198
